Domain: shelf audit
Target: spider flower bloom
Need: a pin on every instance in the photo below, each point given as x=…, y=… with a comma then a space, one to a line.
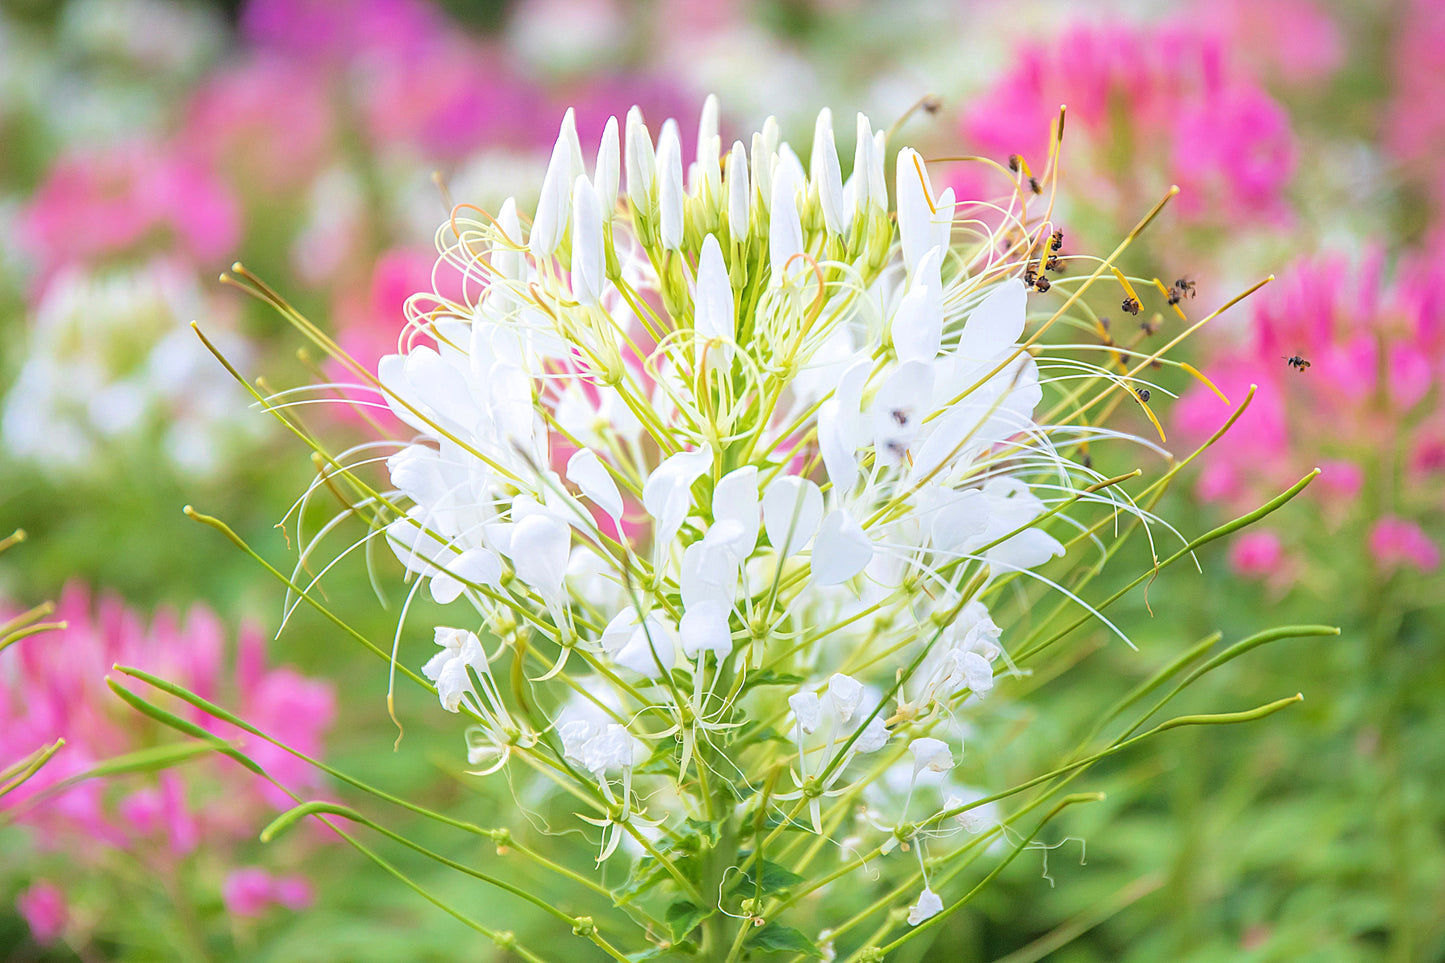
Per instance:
x=712, y=420
x=1148, y=106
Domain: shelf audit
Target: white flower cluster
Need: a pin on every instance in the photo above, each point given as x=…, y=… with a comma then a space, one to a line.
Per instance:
x=701, y=422
x=112, y=365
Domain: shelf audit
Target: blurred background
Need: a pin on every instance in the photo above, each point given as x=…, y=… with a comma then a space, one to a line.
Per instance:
x=148, y=144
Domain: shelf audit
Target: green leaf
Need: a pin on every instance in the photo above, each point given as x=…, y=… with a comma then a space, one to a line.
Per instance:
x=777, y=938
x=708, y=830
x=683, y=915
x=775, y=878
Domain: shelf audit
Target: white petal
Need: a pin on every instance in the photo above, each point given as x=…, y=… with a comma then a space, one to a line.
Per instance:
x=917, y=327
x=670, y=195
x=792, y=509
x=827, y=175
x=667, y=495
x=916, y=230
x=807, y=710
x=652, y=644
x=509, y=259
x=540, y=545
x=709, y=152
x=928, y=906
x=845, y=694
x=841, y=551
x=735, y=499
x=549, y=225
x=586, y=471
x=704, y=628
x=943, y=220
x=995, y=324
x=931, y=754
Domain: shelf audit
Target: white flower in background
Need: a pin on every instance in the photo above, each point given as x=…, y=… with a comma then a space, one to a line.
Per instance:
x=113, y=370
x=927, y=906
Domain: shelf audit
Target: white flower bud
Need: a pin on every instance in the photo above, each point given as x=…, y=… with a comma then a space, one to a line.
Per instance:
x=641, y=162
x=827, y=176
x=607, y=173
x=670, y=195
x=714, y=324
x=588, y=263
x=740, y=197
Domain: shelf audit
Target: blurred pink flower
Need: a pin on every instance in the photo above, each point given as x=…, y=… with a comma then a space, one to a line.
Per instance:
x=1415, y=115
x=1375, y=347
x=341, y=28
x=267, y=122
x=1294, y=42
x=1397, y=542
x=53, y=686
x=251, y=891
x=45, y=910
x=1148, y=106
x=129, y=197
x=1256, y=554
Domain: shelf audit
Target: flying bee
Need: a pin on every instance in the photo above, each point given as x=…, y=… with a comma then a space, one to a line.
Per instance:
x=1015, y=162
x=1143, y=394
x=1030, y=276
x=1054, y=264
x=1185, y=287
x=1297, y=363
x=1131, y=305
x=1042, y=284
x=1056, y=242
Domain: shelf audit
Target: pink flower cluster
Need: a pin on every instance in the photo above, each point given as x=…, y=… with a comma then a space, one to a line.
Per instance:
x=1415, y=121
x=53, y=685
x=1147, y=106
x=1349, y=368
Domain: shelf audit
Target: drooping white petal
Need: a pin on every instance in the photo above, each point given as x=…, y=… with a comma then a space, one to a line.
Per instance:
x=927, y=906
x=713, y=318
x=586, y=471
x=641, y=162
x=792, y=509
x=844, y=695
x=735, y=499
x=740, y=196
x=916, y=229
x=917, y=326
x=587, y=259
x=670, y=194
x=931, y=754
x=841, y=551
x=869, y=187
x=995, y=324
x=539, y=550
x=827, y=174
x=943, y=220
x=608, y=171
x=704, y=628
x=898, y=410
x=667, y=495
x=807, y=710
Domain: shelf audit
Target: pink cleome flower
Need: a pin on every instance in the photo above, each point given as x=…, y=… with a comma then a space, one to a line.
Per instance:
x=1148, y=106
x=53, y=685
x=128, y=198
x=1375, y=350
